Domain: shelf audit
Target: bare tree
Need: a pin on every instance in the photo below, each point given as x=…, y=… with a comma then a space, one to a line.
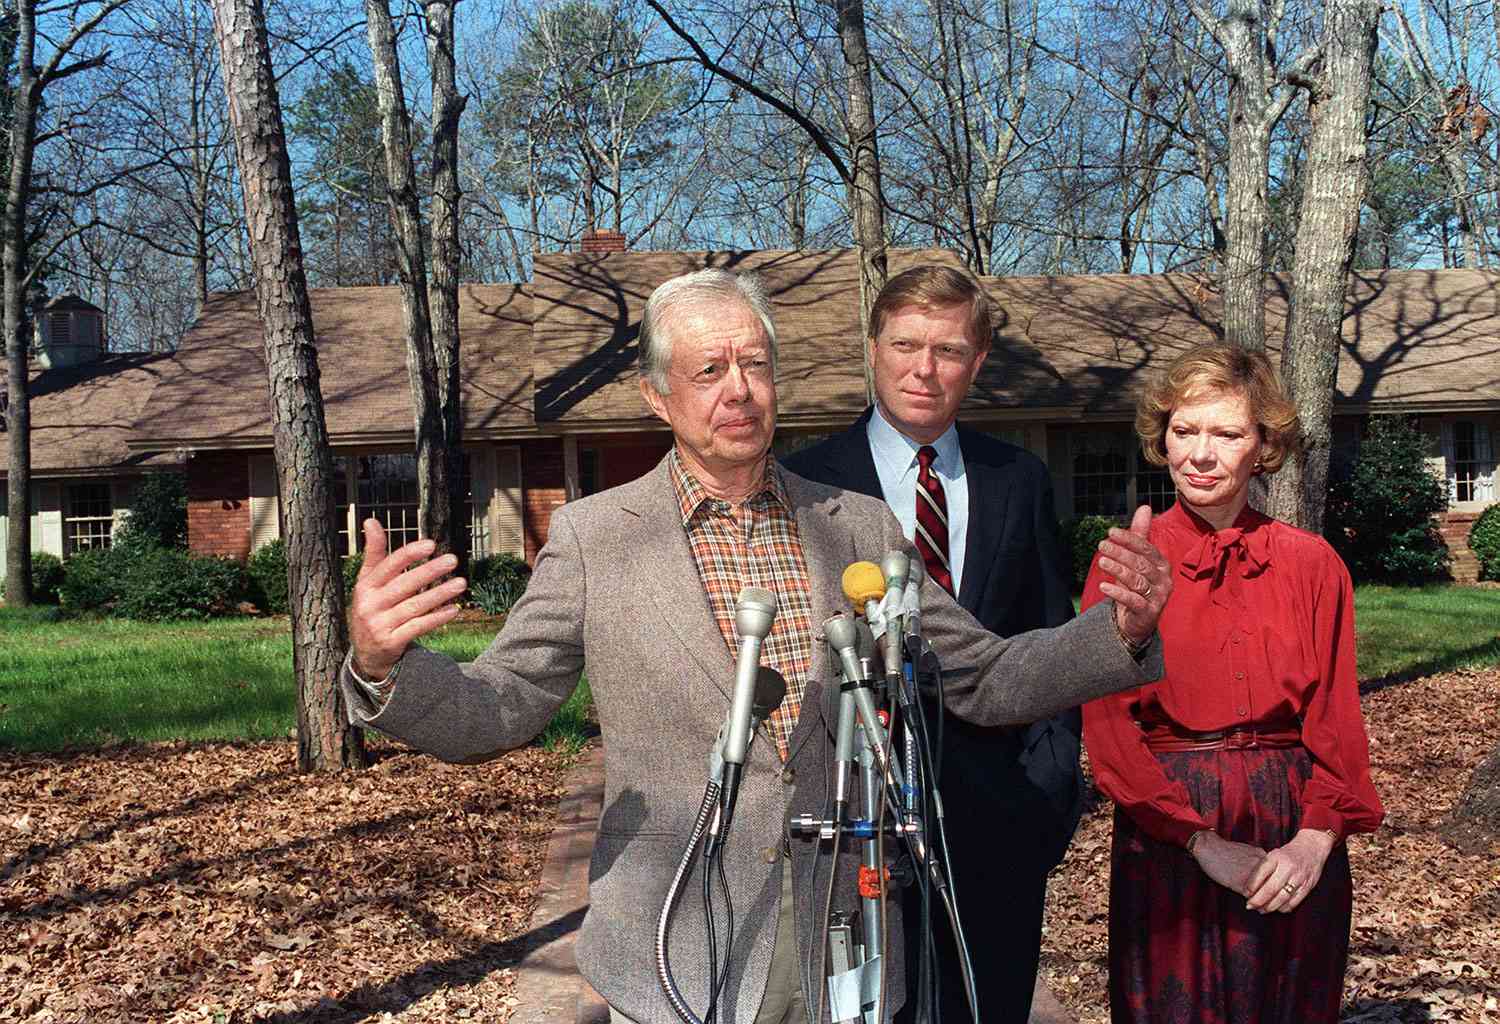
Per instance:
x=855, y=159
x=36, y=70
x=1333, y=183
x=304, y=461
x=1450, y=115
x=1259, y=94
x=447, y=256
x=433, y=503
x=964, y=74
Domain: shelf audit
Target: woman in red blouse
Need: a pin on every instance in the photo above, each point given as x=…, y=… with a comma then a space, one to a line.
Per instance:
x=1239, y=774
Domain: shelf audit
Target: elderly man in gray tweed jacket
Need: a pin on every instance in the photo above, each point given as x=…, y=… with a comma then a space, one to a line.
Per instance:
x=635, y=586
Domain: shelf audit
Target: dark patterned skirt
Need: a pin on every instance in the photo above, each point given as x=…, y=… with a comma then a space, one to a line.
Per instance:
x=1183, y=949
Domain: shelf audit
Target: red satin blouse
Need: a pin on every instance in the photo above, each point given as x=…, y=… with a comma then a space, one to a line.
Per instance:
x=1259, y=630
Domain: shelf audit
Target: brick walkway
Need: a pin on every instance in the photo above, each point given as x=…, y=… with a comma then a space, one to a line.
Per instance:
x=549, y=989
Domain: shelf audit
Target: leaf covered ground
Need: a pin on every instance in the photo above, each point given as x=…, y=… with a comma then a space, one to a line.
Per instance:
x=1426, y=938
x=210, y=882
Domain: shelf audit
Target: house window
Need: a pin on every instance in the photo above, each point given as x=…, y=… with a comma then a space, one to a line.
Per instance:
x=1471, y=475
x=1101, y=469
x=384, y=487
x=1111, y=477
x=88, y=518
x=1153, y=485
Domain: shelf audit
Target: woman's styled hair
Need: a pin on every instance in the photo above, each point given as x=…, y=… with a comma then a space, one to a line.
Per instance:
x=1206, y=371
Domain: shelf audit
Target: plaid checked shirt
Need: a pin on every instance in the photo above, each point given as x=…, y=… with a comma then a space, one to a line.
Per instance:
x=754, y=544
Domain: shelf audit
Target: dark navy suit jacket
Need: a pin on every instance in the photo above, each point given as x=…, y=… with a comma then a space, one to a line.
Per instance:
x=1016, y=577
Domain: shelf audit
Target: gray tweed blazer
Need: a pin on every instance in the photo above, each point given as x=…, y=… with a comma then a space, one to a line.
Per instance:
x=616, y=594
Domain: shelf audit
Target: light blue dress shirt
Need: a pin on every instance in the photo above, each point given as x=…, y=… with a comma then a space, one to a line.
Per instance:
x=896, y=464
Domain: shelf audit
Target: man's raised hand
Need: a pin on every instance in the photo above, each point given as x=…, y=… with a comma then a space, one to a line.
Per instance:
x=393, y=606
x=1142, y=577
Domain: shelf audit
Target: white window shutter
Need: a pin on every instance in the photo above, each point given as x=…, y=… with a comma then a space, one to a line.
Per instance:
x=1486, y=455
x=1450, y=471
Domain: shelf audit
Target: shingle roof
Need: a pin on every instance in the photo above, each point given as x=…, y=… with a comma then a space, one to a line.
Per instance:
x=1413, y=338
x=81, y=416
x=71, y=301
x=214, y=389
x=588, y=313
x=1066, y=347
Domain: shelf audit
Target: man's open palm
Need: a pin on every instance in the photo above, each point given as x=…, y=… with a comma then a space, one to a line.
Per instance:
x=393, y=606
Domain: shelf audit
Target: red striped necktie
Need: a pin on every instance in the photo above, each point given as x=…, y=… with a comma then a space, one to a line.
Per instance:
x=932, y=520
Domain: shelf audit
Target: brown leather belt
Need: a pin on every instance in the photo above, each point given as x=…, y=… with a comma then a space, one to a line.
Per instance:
x=1167, y=739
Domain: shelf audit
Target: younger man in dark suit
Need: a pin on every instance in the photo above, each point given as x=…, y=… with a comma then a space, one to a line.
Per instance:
x=980, y=512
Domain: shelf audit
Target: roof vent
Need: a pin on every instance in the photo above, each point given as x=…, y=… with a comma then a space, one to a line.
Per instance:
x=70, y=332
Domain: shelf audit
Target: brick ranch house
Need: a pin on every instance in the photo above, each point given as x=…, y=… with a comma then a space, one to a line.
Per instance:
x=552, y=411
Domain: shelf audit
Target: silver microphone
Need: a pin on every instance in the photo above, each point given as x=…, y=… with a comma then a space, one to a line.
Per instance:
x=753, y=614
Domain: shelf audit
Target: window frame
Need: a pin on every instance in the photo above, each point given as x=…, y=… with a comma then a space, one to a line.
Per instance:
x=96, y=529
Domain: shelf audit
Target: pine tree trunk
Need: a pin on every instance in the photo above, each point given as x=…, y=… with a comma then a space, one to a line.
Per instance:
x=433, y=501
x=304, y=462
x=1333, y=189
x=447, y=108
x=866, y=203
x=1474, y=823
x=25, y=99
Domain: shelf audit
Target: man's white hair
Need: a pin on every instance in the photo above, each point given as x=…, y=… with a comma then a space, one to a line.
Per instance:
x=701, y=287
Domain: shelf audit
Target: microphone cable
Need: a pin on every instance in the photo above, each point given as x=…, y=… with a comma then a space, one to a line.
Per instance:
x=674, y=893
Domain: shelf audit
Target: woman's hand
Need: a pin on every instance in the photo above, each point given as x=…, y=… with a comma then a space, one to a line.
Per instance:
x=1230, y=864
x=1289, y=872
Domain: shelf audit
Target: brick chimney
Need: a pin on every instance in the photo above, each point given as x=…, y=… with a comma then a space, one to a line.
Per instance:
x=601, y=243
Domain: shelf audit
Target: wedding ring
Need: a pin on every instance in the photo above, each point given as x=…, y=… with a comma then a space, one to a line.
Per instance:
x=1290, y=888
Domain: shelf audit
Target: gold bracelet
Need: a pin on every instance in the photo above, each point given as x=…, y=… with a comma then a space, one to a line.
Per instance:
x=1331, y=834
x=1194, y=839
x=1134, y=648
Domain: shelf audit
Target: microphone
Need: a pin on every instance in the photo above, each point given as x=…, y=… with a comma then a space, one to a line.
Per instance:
x=843, y=635
x=911, y=600
x=895, y=565
x=864, y=586
x=753, y=613
x=839, y=630
x=770, y=691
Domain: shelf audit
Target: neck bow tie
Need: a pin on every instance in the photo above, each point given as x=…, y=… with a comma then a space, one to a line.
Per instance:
x=1238, y=550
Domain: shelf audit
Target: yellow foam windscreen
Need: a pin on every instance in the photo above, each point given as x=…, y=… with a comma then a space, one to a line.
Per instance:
x=863, y=581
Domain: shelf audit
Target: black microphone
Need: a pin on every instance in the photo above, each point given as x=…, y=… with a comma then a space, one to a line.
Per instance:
x=770, y=691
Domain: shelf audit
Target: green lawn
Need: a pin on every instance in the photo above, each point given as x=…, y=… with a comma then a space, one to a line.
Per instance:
x=72, y=682
x=79, y=682
x=1406, y=632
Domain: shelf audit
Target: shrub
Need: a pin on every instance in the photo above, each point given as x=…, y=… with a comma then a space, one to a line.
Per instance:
x=502, y=568
x=141, y=581
x=352, y=565
x=266, y=569
x=1484, y=541
x=1081, y=537
x=496, y=582
x=46, y=577
x=1381, y=508
x=91, y=580
x=161, y=583
x=158, y=513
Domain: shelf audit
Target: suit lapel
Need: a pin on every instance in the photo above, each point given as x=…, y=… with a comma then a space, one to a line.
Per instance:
x=987, y=507
x=854, y=464
x=675, y=587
